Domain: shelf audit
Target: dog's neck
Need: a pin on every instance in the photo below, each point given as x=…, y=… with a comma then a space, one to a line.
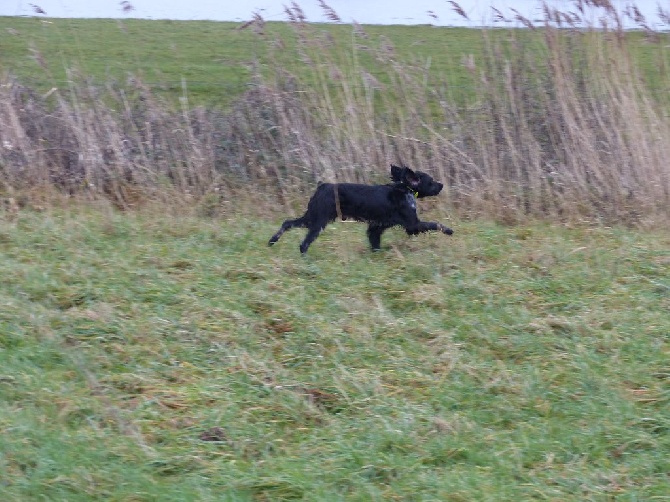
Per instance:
x=405, y=188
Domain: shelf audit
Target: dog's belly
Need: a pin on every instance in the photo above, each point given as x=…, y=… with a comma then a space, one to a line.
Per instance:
x=371, y=208
x=372, y=214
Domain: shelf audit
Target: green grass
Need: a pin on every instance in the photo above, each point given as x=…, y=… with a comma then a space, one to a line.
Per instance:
x=213, y=61
x=526, y=363
x=210, y=58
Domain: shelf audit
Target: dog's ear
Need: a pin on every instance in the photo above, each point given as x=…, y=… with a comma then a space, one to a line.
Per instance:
x=404, y=175
x=411, y=178
x=396, y=173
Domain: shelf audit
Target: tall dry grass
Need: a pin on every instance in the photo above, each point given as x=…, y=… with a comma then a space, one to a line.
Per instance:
x=558, y=123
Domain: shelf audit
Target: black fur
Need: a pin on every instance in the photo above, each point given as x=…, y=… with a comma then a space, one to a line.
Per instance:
x=380, y=206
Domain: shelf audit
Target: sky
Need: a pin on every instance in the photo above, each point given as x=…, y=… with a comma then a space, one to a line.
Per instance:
x=362, y=11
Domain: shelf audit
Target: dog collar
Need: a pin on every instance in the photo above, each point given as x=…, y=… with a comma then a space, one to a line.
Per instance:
x=416, y=194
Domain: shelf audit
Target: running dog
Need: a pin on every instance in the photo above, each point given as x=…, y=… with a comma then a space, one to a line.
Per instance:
x=380, y=206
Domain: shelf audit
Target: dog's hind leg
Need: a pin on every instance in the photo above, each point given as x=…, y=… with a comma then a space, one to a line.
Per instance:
x=288, y=225
x=312, y=234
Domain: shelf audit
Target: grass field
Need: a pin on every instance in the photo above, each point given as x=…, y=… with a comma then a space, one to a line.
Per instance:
x=153, y=356
x=164, y=352
x=211, y=62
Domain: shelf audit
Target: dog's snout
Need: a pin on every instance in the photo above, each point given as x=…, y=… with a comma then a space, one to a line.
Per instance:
x=436, y=188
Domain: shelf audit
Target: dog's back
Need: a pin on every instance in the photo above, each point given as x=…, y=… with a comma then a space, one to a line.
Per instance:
x=355, y=201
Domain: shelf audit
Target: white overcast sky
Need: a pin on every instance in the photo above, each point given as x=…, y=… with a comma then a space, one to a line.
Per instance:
x=362, y=11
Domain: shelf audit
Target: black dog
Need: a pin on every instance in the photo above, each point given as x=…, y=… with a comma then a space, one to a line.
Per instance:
x=380, y=206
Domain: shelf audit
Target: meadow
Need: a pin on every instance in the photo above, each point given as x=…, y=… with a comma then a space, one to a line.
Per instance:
x=162, y=357
x=213, y=62
x=153, y=347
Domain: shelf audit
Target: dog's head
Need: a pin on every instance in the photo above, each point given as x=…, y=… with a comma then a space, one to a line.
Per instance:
x=422, y=184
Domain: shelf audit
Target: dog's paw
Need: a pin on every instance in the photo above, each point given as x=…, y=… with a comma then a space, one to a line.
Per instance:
x=446, y=230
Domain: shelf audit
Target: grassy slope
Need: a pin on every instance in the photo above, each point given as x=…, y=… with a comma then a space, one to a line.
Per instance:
x=500, y=364
x=213, y=58
x=208, y=56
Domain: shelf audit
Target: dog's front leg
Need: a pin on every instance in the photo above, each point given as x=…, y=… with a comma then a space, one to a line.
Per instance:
x=375, y=235
x=428, y=226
